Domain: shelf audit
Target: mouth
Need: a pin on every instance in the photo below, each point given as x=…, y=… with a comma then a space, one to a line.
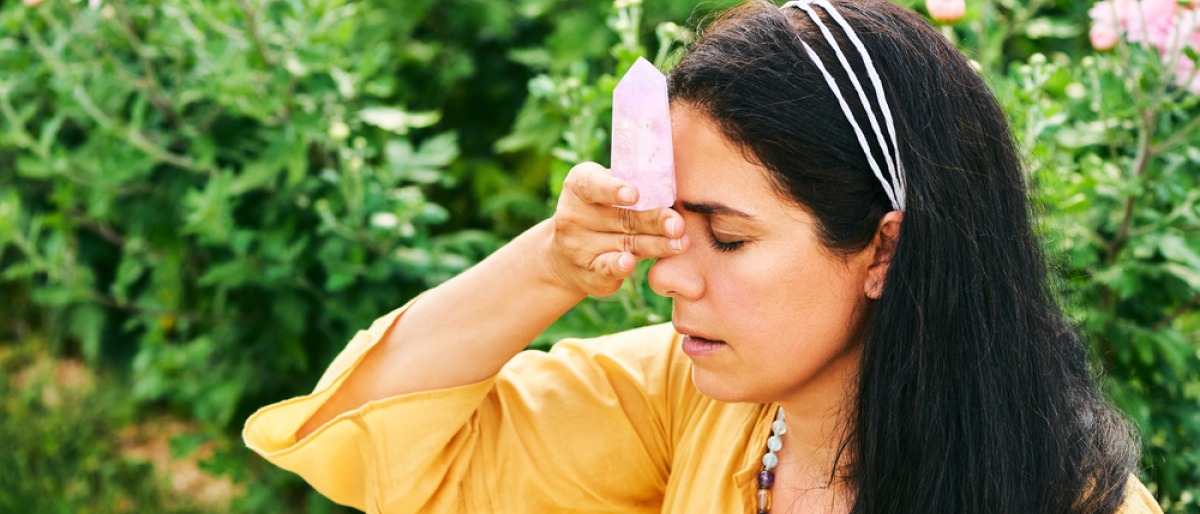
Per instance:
x=696, y=346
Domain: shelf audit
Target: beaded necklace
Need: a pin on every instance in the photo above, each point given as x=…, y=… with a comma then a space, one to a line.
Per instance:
x=766, y=477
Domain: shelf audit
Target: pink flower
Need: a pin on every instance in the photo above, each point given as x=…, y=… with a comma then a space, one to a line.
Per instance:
x=1164, y=25
x=1103, y=37
x=946, y=11
x=1185, y=75
x=31, y=3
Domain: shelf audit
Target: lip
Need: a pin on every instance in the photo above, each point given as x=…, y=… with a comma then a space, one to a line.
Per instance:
x=689, y=331
x=695, y=344
x=699, y=347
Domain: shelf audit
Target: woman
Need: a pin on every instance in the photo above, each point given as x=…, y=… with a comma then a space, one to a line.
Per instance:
x=861, y=322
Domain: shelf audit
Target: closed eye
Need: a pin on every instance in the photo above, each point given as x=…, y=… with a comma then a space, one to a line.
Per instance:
x=724, y=246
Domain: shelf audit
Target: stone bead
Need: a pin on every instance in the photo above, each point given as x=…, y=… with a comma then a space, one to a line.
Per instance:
x=770, y=460
x=764, y=500
x=766, y=479
x=779, y=427
x=774, y=443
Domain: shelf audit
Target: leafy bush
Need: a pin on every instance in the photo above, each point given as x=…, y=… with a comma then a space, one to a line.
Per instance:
x=212, y=196
x=1111, y=142
x=218, y=190
x=1118, y=161
x=61, y=453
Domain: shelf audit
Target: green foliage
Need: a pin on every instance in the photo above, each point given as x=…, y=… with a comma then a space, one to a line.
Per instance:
x=209, y=197
x=217, y=191
x=1116, y=155
x=1112, y=149
x=61, y=453
x=212, y=196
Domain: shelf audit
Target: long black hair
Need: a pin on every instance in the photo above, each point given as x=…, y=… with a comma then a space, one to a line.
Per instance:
x=974, y=395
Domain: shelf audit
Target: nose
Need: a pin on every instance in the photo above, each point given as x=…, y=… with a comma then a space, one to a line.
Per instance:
x=677, y=276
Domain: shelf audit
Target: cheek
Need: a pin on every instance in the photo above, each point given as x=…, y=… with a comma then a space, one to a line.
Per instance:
x=758, y=298
x=818, y=299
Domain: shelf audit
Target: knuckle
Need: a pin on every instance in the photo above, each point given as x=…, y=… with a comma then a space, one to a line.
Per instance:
x=564, y=223
x=584, y=184
x=629, y=243
x=628, y=220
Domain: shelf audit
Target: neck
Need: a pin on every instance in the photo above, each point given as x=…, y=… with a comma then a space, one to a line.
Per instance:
x=818, y=421
x=811, y=447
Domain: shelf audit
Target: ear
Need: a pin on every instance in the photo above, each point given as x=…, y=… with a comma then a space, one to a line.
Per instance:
x=881, y=250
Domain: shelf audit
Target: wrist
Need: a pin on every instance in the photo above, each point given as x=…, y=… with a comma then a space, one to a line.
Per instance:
x=544, y=264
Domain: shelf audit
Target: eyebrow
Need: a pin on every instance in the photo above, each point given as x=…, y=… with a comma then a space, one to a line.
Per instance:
x=715, y=209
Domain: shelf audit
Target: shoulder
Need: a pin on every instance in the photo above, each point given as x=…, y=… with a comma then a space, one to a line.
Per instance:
x=1138, y=499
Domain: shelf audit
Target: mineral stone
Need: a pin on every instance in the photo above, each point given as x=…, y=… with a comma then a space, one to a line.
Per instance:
x=641, y=136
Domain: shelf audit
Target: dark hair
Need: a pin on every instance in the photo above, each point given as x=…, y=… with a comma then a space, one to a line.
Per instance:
x=974, y=393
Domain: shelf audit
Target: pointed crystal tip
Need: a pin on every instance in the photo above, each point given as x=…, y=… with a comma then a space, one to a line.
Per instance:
x=641, y=135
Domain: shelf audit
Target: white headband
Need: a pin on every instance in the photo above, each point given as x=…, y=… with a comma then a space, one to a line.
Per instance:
x=894, y=189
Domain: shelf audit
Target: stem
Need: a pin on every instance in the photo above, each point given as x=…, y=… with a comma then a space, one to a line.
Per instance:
x=1140, y=161
x=111, y=302
x=252, y=30
x=1093, y=72
x=153, y=87
x=135, y=137
x=100, y=229
x=18, y=127
x=1179, y=311
x=1022, y=17
x=1178, y=134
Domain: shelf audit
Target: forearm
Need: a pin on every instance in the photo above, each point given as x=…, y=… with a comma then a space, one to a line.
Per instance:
x=462, y=331
x=466, y=329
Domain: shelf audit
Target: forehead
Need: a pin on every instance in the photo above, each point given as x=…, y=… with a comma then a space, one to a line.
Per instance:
x=711, y=168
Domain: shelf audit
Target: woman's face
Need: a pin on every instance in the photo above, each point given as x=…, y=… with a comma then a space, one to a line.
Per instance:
x=769, y=314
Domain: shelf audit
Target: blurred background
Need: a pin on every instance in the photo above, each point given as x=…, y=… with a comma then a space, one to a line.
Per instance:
x=201, y=202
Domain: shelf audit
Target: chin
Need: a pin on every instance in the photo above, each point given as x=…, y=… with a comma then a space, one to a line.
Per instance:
x=721, y=388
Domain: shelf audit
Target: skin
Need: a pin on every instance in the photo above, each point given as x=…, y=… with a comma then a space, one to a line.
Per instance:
x=483, y=317
x=789, y=311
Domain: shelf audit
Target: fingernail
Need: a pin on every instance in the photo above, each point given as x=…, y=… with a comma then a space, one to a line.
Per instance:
x=625, y=194
x=626, y=263
x=677, y=244
x=671, y=226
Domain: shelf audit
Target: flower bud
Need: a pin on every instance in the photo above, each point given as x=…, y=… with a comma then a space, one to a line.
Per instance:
x=339, y=131
x=1103, y=36
x=946, y=11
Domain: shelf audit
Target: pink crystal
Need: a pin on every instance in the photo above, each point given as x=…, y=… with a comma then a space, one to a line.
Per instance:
x=641, y=136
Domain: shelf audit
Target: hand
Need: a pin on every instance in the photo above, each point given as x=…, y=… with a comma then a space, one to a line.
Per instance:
x=594, y=245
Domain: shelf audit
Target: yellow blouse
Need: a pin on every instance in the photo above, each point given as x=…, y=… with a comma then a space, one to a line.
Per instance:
x=611, y=424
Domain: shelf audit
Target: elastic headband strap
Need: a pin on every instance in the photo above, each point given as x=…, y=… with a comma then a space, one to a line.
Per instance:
x=896, y=188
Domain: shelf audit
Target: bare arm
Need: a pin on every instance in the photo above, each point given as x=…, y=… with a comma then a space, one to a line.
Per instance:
x=466, y=329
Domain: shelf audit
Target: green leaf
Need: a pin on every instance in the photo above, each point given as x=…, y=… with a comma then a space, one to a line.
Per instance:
x=131, y=268
x=87, y=325
x=209, y=209
x=1176, y=249
x=1046, y=27
x=1189, y=275
x=398, y=120
x=424, y=165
